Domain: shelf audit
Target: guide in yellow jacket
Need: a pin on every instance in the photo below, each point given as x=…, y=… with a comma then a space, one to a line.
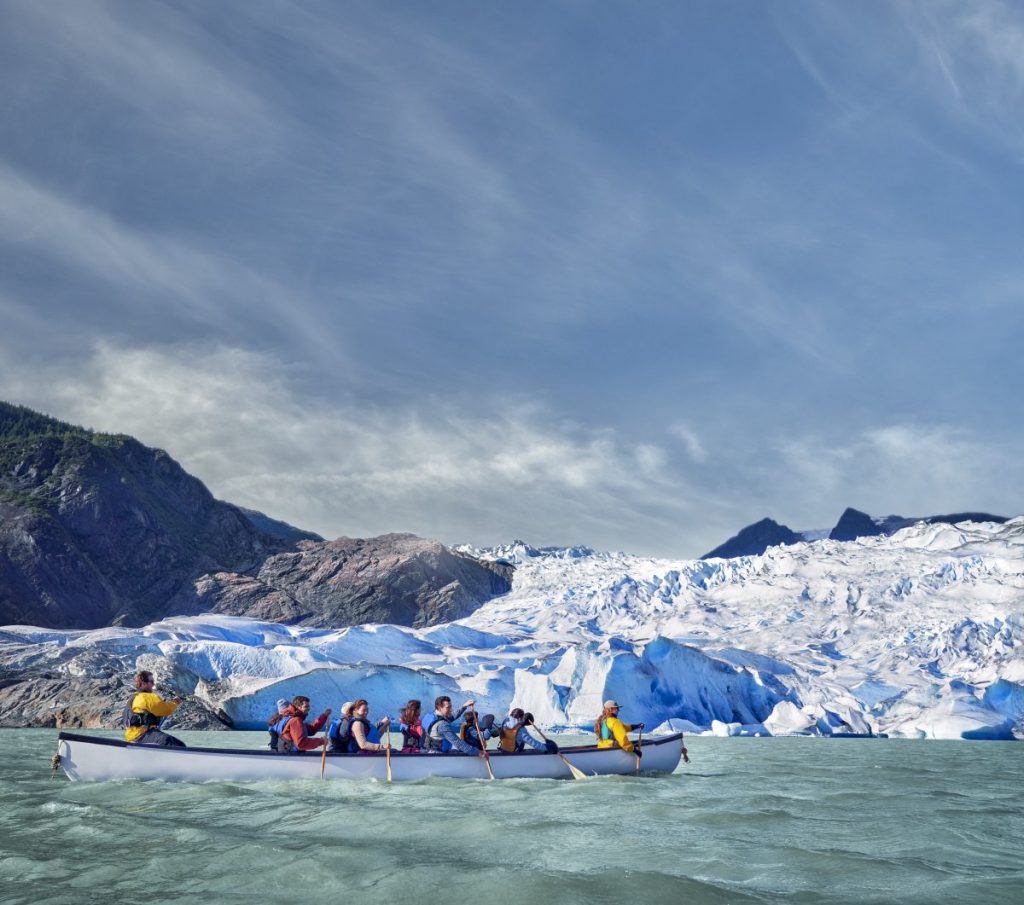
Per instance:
x=611, y=731
x=143, y=713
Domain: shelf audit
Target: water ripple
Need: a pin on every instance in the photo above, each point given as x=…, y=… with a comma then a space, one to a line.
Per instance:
x=767, y=820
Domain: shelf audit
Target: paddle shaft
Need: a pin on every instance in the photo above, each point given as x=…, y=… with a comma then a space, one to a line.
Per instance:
x=387, y=748
x=576, y=772
x=483, y=745
x=637, y=747
x=323, y=754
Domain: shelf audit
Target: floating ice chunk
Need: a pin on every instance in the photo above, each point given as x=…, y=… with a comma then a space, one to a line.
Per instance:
x=677, y=725
x=724, y=730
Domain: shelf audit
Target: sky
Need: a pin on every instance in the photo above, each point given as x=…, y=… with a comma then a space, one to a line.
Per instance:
x=625, y=274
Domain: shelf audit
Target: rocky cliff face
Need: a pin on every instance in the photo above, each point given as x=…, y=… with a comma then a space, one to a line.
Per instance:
x=399, y=579
x=100, y=530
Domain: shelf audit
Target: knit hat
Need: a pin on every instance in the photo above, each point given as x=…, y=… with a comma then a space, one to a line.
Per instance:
x=346, y=708
x=281, y=704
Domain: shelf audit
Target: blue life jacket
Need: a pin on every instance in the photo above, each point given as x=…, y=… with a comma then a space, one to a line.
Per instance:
x=432, y=740
x=284, y=745
x=340, y=734
x=280, y=724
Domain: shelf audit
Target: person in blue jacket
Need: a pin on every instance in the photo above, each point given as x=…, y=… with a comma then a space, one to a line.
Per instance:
x=441, y=735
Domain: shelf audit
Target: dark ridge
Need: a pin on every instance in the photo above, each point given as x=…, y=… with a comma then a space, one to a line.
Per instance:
x=957, y=517
x=18, y=422
x=276, y=528
x=853, y=524
x=755, y=539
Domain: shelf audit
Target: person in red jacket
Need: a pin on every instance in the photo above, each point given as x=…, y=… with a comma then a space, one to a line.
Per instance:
x=296, y=732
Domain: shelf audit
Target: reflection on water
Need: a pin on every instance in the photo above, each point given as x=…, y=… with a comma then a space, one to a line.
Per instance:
x=750, y=820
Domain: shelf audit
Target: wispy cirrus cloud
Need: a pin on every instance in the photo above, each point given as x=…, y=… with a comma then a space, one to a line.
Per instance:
x=156, y=62
x=907, y=469
x=160, y=280
x=775, y=233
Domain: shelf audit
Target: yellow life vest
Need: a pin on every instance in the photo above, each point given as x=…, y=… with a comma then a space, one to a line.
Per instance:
x=476, y=740
x=507, y=742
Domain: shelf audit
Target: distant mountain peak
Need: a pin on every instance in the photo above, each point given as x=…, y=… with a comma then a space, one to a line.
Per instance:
x=755, y=539
x=853, y=523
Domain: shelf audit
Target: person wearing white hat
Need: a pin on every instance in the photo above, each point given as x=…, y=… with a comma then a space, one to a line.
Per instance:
x=339, y=733
x=611, y=731
x=282, y=705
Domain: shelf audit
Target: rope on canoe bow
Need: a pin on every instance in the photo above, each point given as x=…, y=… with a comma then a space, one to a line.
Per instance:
x=55, y=760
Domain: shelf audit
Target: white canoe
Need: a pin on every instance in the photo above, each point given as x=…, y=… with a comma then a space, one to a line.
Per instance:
x=94, y=758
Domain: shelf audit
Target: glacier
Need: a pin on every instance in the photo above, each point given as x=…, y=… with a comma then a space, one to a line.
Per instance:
x=918, y=634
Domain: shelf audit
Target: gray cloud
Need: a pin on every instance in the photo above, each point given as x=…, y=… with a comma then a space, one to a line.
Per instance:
x=445, y=273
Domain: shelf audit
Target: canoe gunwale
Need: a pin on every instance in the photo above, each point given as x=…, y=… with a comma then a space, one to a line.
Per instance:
x=649, y=742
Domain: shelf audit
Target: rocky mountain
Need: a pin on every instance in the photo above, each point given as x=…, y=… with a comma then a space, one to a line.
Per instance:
x=755, y=539
x=98, y=529
x=853, y=523
x=396, y=578
x=275, y=527
x=758, y=537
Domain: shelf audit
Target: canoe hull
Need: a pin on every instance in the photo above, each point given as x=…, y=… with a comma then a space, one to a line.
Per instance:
x=93, y=758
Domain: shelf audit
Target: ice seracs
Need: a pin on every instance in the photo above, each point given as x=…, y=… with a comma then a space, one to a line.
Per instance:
x=917, y=634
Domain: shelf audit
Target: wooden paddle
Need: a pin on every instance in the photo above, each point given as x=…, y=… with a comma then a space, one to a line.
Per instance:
x=577, y=773
x=323, y=754
x=483, y=745
x=387, y=749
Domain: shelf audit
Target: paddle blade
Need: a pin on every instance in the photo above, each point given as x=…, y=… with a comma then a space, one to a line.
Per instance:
x=577, y=773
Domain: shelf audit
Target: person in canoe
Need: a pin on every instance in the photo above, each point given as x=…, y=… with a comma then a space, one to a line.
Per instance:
x=468, y=731
x=144, y=713
x=340, y=732
x=514, y=736
x=295, y=732
x=611, y=731
x=441, y=735
x=411, y=727
x=360, y=729
x=282, y=705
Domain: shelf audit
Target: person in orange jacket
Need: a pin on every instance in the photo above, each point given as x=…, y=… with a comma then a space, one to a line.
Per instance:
x=295, y=731
x=611, y=731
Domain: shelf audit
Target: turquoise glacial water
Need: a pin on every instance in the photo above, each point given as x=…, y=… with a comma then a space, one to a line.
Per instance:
x=750, y=820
